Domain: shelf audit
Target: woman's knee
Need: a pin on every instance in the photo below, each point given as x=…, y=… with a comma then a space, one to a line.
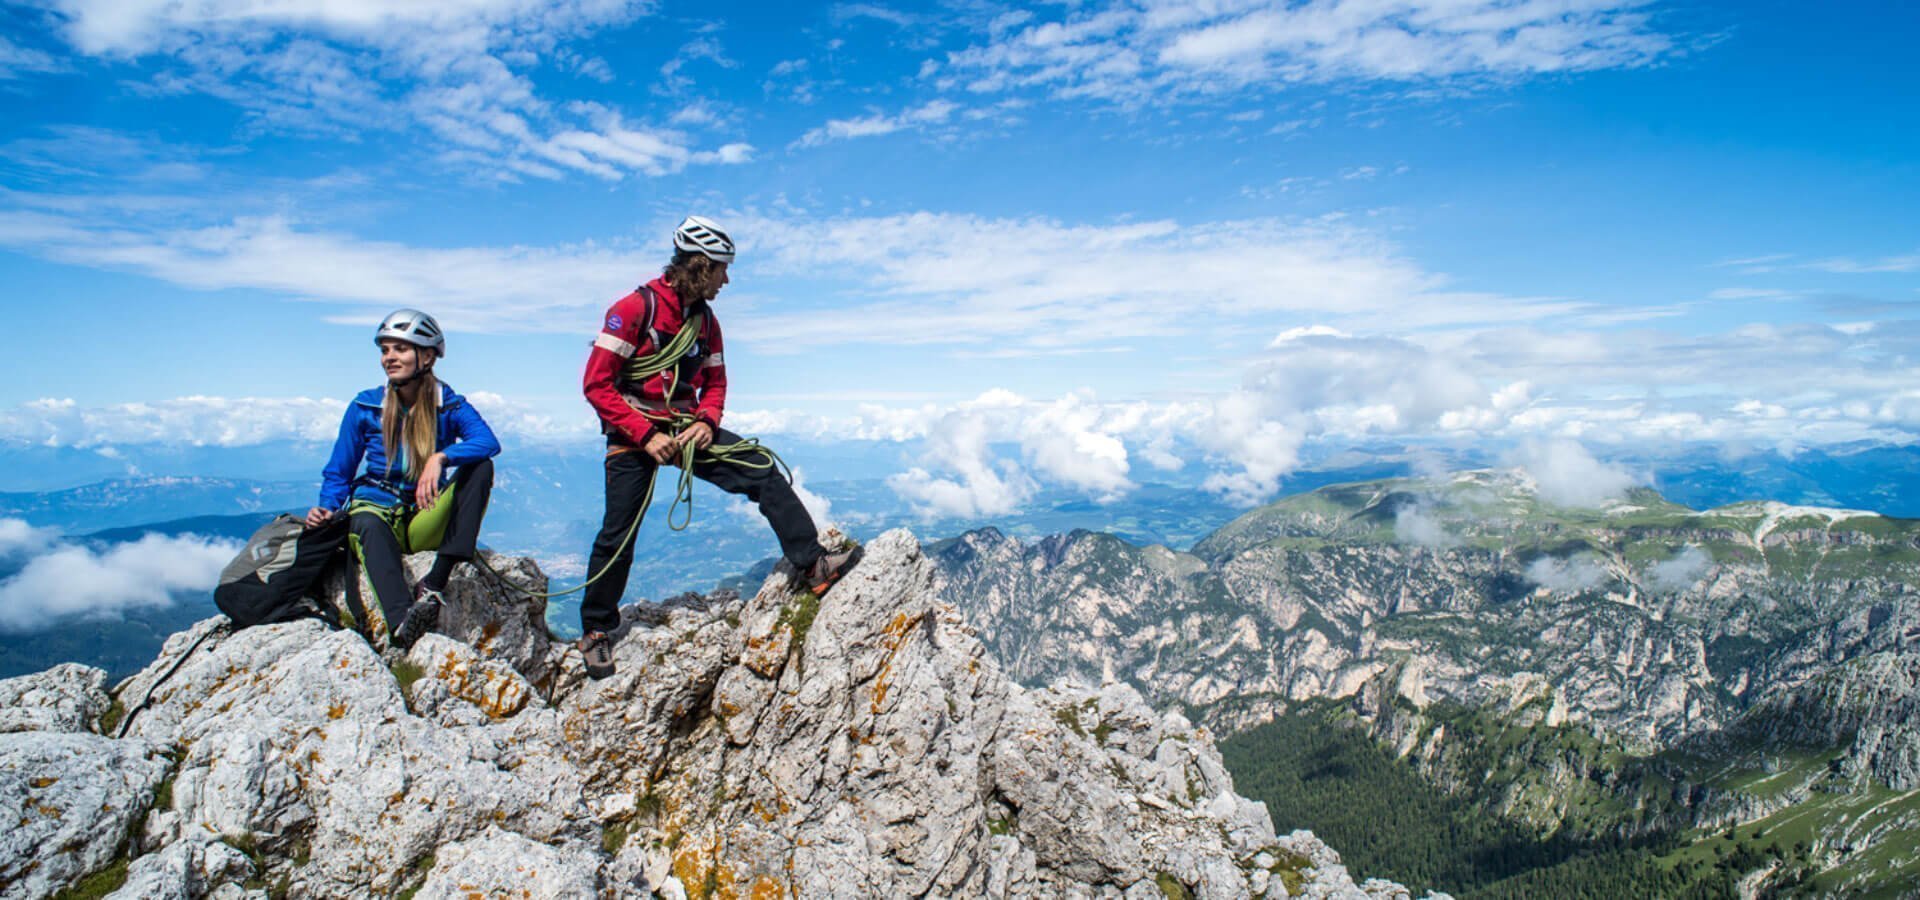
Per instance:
x=478, y=470
x=365, y=524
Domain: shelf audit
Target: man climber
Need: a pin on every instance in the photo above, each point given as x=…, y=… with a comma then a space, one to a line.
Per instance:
x=658, y=381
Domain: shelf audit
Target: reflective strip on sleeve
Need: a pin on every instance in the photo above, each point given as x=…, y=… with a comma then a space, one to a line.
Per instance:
x=714, y=360
x=609, y=342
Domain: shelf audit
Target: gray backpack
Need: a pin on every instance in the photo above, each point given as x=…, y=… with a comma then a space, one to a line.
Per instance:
x=276, y=571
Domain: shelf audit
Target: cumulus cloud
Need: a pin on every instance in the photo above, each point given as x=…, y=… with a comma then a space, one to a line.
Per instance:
x=73, y=581
x=1565, y=474
x=1679, y=572
x=1134, y=52
x=978, y=483
x=1314, y=382
x=1569, y=575
x=459, y=71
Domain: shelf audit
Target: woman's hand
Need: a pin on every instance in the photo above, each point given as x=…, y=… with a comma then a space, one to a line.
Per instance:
x=317, y=517
x=426, y=490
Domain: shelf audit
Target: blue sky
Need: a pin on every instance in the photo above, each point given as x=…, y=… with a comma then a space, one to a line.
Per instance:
x=1070, y=244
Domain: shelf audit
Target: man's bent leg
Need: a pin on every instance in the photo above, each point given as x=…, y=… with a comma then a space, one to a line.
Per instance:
x=767, y=487
x=628, y=474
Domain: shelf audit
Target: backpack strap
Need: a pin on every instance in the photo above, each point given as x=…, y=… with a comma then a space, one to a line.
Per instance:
x=653, y=309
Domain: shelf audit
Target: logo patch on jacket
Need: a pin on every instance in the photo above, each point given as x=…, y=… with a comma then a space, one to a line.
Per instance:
x=614, y=322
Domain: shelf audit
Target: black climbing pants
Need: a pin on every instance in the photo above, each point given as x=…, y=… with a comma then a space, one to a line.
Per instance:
x=630, y=469
x=378, y=536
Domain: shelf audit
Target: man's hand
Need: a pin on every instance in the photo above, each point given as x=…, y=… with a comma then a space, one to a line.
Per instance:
x=661, y=447
x=317, y=517
x=426, y=490
x=699, y=434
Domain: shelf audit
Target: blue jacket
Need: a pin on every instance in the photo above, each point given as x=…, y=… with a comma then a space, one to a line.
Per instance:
x=463, y=436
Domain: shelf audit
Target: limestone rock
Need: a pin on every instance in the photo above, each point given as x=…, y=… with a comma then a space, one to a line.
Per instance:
x=503, y=864
x=69, y=802
x=187, y=869
x=68, y=697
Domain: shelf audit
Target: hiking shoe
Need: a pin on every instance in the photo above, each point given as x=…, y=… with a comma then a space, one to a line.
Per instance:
x=421, y=617
x=826, y=570
x=597, y=647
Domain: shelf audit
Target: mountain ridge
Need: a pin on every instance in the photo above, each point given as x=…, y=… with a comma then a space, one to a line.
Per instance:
x=779, y=744
x=1582, y=658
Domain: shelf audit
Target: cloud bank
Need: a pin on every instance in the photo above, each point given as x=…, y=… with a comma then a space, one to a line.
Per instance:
x=65, y=581
x=1564, y=473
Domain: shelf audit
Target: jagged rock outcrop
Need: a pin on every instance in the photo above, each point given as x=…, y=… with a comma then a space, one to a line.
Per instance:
x=782, y=745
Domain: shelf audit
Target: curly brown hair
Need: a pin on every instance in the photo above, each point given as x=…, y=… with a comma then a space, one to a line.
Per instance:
x=693, y=276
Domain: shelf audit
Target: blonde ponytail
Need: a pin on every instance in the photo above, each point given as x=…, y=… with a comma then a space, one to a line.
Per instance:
x=420, y=433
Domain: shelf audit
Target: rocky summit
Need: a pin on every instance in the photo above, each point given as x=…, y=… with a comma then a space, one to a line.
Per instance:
x=779, y=746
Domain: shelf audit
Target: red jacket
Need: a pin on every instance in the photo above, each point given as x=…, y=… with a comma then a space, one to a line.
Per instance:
x=702, y=386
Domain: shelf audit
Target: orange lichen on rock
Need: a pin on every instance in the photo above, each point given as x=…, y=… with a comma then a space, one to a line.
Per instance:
x=766, y=887
x=699, y=869
x=896, y=636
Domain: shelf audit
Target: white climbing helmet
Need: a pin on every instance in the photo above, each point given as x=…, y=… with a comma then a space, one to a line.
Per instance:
x=414, y=327
x=698, y=234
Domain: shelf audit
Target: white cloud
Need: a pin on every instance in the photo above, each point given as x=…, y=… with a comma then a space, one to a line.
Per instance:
x=471, y=288
x=1073, y=441
x=1140, y=51
x=457, y=70
x=946, y=279
x=16, y=60
x=935, y=112
x=75, y=581
x=1316, y=382
x=196, y=421
x=1909, y=262
x=1565, y=474
x=19, y=538
x=1679, y=572
x=1416, y=524
x=1570, y=575
x=1043, y=284
x=244, y=422
x=981, y=484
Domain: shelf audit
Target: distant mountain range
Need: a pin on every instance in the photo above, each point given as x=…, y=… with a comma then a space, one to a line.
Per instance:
x=1643, y=675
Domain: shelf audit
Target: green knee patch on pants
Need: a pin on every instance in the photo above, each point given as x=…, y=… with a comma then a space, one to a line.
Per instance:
x=417, y=530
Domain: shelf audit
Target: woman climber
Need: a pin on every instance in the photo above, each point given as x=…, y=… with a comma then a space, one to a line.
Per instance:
x=410, y=432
